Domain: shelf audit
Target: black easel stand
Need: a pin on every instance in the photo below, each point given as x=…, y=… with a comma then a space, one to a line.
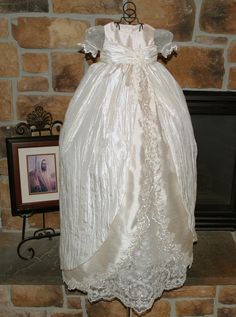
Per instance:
x=38, y=122
x=44, y=232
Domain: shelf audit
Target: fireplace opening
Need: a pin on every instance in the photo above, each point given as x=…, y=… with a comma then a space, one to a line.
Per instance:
x=213, y=117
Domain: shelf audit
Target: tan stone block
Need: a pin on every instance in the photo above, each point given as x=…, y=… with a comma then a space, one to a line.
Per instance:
x=232, y=78
x=4, y=298
x=211, y=40
x=192, y=291
x=8, y=60
x=67, y=71
x=4, y=194
x=194, y=307
x=74, y=302
x=3, y=166
x=218, y=16
x=9, y=222
x=35, y=62
x=174, y=15
x=226, y=312
x=52, y=220
x=33, y=84
x=67, y=314
x=5, y=100
x=56, y=105
x=48, y=33
x=36, y=221
x=88, y=6
x=196, y=67
x=37, y=295
x=103, y=21
x=228, y=295
x=160, y=308
x=106, y=309
x=3, y=27
x=232, y=52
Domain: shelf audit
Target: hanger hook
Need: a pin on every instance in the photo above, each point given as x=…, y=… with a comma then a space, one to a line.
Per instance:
x=129, y=12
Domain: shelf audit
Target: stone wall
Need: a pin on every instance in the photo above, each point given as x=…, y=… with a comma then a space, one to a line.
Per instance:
x=39, y=59
x=55, y=301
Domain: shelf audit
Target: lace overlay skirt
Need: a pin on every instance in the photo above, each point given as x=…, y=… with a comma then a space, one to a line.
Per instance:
x=148, y=243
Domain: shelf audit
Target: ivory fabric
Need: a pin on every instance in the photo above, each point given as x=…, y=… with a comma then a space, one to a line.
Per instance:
x=127, y=172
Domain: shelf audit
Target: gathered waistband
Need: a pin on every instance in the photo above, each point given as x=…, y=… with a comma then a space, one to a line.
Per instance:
x=117, y=54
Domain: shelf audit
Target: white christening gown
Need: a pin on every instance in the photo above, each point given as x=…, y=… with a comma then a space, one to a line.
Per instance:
x=127, y=172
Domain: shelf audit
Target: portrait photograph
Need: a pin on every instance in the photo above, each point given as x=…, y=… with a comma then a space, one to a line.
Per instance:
x=42, y=174
x=33, y=165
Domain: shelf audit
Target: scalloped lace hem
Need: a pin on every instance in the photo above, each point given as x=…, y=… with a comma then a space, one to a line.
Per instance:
x=140, y=295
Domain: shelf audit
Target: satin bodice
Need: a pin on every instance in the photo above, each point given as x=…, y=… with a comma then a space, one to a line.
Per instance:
x=129, y=44
x=130, y=36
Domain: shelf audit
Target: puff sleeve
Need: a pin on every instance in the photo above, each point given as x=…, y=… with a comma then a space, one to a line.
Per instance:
x=94, y=39
x=164, y=42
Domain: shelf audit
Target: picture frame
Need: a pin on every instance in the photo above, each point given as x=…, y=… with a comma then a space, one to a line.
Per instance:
x=33, y=167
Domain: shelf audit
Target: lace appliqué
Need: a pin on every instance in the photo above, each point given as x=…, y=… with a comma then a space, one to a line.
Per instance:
x=153, y=262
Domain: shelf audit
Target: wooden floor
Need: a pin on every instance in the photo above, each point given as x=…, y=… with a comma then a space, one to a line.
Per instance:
x=214, y=260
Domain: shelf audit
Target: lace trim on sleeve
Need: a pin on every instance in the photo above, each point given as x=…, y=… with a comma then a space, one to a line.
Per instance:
x=164, y=42
x=94, y=39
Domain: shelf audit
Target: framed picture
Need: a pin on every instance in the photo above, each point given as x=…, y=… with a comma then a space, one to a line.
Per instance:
x=33, y=168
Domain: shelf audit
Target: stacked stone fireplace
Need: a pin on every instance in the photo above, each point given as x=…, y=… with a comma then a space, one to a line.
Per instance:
x=39, y=62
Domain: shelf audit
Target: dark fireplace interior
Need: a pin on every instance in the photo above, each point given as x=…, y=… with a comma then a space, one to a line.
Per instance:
x=214, y=121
